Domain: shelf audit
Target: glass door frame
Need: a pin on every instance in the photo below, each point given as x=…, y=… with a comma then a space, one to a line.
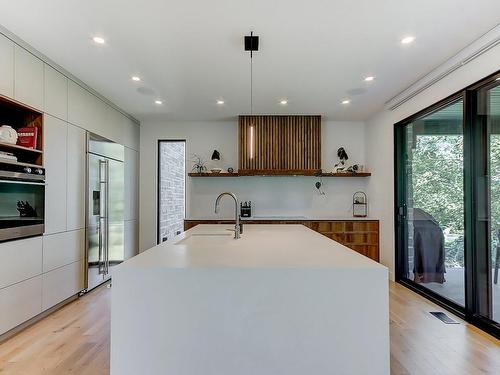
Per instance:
x=476, y=284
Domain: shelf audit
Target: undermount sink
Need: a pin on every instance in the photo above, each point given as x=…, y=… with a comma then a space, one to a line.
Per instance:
x=197, y=238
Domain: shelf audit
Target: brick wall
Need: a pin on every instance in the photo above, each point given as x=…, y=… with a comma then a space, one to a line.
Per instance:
x=172, y=188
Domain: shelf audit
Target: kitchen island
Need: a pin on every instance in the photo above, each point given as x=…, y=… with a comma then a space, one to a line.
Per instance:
x=282, y=299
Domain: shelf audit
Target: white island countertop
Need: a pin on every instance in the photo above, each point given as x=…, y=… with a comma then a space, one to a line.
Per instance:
x=260, y=245
x=282, y=299
x=297, y=218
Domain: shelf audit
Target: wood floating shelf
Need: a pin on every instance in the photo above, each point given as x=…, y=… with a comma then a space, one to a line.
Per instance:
x=13, y=162
x=278, y=173
x=4, y=145
x=193, y=174
x=359, y=174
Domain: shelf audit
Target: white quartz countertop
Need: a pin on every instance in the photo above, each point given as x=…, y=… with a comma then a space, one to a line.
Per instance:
x=260, y=246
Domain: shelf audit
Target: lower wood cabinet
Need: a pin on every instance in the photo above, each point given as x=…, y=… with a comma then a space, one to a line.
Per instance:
x=361, y=236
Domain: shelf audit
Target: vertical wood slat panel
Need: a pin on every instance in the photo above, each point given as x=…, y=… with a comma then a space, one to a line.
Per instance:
x=280, y=143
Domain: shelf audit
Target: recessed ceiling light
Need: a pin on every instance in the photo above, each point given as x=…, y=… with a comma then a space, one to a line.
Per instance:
x=135, y=78
x=347, y=101
x=220, y=102
x=407, y=40
x=369, y=78
x=283, y=101
x=99, y=40
x=159, y=102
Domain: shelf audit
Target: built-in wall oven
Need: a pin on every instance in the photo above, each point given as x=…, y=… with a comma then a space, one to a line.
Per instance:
x=22, y=196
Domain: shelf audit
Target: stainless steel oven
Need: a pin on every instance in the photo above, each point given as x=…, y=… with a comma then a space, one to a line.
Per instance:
x=22, y=198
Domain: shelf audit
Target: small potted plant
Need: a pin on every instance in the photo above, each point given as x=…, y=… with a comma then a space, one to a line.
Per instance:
x=199, y=164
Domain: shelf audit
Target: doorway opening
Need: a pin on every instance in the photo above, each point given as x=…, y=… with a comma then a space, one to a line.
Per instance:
x=171, y=188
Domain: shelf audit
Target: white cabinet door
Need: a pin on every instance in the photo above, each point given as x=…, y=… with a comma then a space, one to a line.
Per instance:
x=20, y=302
x=55, y=143
x=75, y=210
x=131, y=240
x=78, y=108
x=131, y=184
x=6, y=67
x=131, y=133
x=56, y=93
x=20, y=260
x=61, y=249
x=28, y=78
x=62, y=283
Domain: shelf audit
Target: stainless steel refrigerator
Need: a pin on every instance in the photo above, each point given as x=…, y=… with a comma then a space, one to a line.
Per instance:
x=105, y=205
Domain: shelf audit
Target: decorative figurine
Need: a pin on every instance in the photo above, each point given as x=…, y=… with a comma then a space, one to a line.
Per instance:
x=342, y=155
x=8, y=134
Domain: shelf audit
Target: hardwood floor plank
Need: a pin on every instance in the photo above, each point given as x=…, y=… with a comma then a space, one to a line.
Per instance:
x=76, y=340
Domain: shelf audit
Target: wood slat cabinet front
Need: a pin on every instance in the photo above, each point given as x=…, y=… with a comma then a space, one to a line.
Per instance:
x=279, y=145
x=361, y=236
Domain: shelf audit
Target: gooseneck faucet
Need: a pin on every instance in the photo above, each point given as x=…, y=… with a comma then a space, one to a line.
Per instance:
x=237, y=227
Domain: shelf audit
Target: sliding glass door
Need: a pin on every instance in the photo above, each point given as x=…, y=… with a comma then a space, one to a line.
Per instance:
x=447, y=173
x=432, y=209
x=488, y=197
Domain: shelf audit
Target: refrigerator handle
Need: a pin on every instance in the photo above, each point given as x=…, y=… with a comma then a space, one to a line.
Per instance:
x=101, y=219
x=106, y=210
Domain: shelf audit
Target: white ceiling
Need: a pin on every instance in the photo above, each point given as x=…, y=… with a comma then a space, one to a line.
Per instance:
x=190, y=53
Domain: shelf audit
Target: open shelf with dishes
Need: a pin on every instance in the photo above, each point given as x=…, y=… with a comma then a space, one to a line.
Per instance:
x=22, y=119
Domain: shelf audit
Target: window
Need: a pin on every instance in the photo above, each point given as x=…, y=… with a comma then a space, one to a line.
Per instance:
x=171, y=188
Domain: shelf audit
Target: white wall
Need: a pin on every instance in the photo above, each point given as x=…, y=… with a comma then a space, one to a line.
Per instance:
x=379, y=145
x=284, y=196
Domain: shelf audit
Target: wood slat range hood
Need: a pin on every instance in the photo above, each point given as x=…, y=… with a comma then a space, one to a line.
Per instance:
x=279, y=145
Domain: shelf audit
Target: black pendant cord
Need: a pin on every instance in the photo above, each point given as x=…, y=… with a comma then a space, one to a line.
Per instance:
x=251, y=73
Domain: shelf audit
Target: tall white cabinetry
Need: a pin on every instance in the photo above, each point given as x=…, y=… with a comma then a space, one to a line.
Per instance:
x=28, y=78
x=39, y=273
x=6, y=67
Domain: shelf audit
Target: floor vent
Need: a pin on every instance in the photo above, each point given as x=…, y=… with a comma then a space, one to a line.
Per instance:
x=443, y=317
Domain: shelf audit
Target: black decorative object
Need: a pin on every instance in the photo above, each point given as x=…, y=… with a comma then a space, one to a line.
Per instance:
x=230, y=170
x=216, y=155
x=353, y=168
x=359, y=204
x=25, y=209
x=319, y=183
x=246, y=209
x=342, y=155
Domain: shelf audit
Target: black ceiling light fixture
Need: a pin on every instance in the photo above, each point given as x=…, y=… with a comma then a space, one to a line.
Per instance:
x=216, y=155
x=251, y=44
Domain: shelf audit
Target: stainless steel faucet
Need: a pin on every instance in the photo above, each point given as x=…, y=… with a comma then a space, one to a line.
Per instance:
x=237, y=227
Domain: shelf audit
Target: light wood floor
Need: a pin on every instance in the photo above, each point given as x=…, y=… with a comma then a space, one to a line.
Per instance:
x=75, y=340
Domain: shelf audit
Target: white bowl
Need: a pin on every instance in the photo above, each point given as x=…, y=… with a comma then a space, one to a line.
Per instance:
x=216, y=170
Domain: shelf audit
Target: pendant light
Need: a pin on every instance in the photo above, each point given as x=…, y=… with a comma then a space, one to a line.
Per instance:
x=251, y=44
